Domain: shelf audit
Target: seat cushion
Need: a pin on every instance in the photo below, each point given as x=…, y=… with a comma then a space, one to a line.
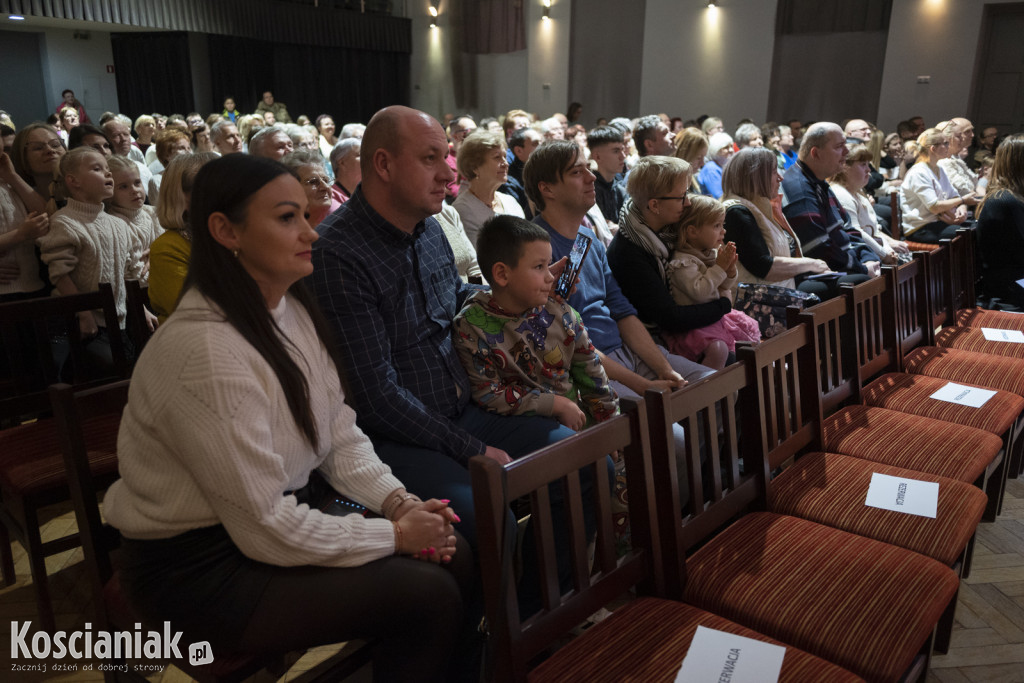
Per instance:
x=830, y=489
x=911, y=442
x=973, y=339
x=967, y=367
x=31, y=460
x=979, y=317
x=646, y=641
x=862, y=604
x=909, y=394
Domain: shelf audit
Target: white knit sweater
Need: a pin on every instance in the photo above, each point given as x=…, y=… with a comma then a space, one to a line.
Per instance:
x=12, y=215
x=90, y=246
x=145, y=227
x=207, y=438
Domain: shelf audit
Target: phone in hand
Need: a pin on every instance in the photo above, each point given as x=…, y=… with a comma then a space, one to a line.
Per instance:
x=572, y=269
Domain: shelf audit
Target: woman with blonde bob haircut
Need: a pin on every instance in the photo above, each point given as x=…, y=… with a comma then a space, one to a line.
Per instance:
x=483, y=163
x=769, y=252
x=932, y=208
x=1001, y=224
x=692, y=146
x=171, y=252
x=640, y=251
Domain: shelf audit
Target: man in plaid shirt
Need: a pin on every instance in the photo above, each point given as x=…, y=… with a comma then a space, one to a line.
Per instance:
x=384, y=276
x=814, y=212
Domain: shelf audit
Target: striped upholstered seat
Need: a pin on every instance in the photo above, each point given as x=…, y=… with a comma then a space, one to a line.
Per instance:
x=910, y=394
x=646, y=641
x=979, y=317
x=972, y=339
x=967, y=367
x=830, y=489
x=910, y=442
x=765, y=571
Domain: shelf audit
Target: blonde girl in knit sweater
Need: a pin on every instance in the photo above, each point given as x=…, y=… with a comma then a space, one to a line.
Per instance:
x=128, y=204
x=86, y=245
x=702, y=269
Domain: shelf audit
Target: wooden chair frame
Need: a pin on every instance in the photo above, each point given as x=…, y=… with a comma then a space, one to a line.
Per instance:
x=722, y=404
x=518, y=642
x=18, y=509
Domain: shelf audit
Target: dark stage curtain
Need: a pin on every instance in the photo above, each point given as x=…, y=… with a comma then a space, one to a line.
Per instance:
x=348, y=84
x=153, y=71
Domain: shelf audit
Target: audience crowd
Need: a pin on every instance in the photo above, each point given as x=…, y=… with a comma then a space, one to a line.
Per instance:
x=416, y=260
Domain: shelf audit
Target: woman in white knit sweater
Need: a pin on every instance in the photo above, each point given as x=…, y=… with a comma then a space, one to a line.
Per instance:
x=235, y=443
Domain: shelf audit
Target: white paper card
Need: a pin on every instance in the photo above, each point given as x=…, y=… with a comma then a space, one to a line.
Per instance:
x=963, y=395
x=994, y=334
x=898, y=494
x=718, y=656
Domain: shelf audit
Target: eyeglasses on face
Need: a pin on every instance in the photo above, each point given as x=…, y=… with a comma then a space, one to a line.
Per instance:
x=666, y=199
x=317, y=181
x=41, y=146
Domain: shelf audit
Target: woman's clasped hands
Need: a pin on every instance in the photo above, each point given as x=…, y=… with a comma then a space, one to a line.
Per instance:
x=424, y=530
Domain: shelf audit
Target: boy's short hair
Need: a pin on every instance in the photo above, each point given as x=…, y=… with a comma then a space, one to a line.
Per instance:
x=604, y=135
x=502, y=239
x=69, y=165
x=72, y=161
x=548, y=164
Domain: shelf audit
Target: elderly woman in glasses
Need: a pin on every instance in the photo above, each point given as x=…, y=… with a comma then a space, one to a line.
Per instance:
x=309, y=167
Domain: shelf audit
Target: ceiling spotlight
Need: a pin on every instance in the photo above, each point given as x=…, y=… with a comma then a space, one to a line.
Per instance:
x=712, y=5
x=546, y=13
x=433, y=11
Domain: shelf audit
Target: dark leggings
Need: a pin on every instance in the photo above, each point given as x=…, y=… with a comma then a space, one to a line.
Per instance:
x=933, y=233
x=827, y=289
x=412, y=608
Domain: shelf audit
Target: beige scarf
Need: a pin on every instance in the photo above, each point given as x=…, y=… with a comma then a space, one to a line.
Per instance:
x=776, y=231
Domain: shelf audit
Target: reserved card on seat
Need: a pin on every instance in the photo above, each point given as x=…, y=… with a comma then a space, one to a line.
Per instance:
x=719, y=656
x=963, y=395
x=898, y=494
x=994, y=334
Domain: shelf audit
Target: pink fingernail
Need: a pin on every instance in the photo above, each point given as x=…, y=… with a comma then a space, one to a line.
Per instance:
x=445, y=501
x=456, y=517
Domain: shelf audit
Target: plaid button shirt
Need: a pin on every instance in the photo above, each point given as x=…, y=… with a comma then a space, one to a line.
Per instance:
x=390, y=298
x=819, y=221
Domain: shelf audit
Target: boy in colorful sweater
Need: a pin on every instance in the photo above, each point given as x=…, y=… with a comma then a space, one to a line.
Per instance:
x=524, y=351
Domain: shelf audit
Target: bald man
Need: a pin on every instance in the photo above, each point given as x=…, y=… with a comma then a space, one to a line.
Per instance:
x=819, y=221
x=385, y=277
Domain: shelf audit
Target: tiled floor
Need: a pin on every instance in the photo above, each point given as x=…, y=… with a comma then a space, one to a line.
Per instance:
x=988, y=643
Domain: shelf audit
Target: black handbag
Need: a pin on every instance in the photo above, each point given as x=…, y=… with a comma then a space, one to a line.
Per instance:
x=767, y=305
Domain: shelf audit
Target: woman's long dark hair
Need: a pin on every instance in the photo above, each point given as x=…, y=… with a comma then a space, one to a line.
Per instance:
x=227, y=185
